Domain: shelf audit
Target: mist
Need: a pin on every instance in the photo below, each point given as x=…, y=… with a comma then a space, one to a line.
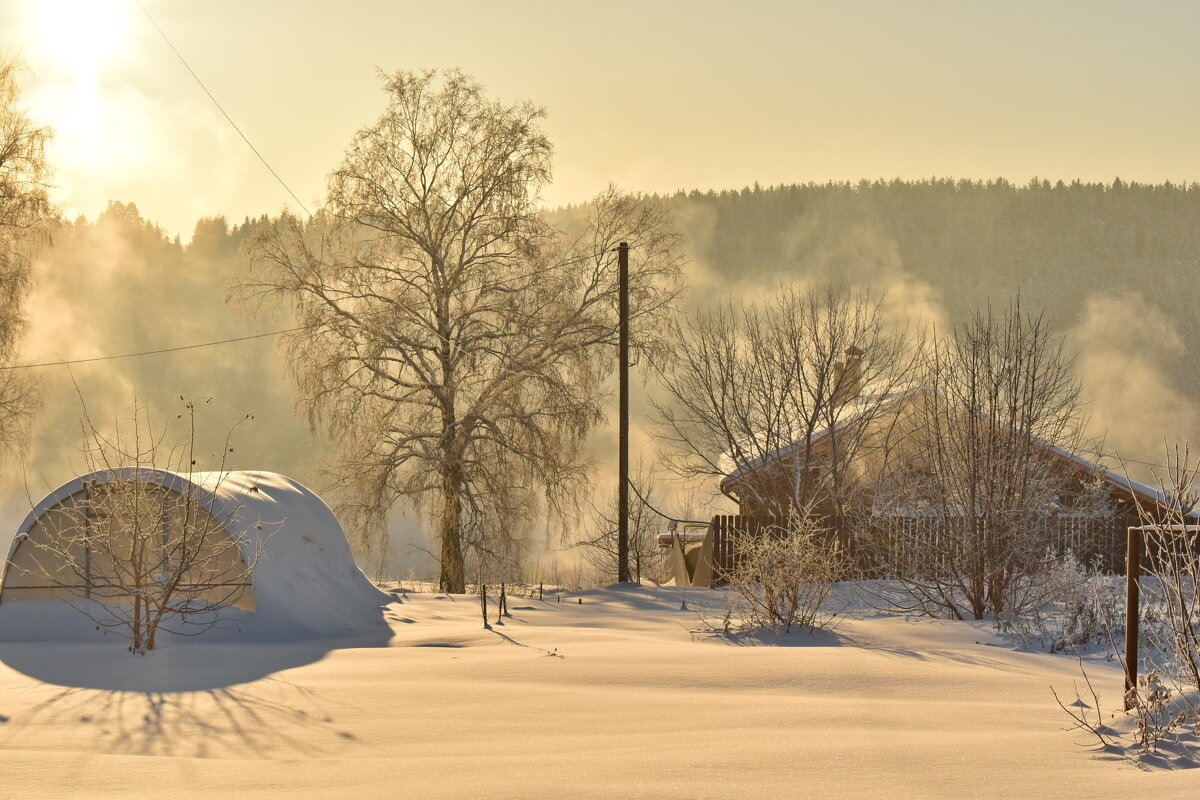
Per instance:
x=120, y=285
x=934, y=250
x=1128, y=355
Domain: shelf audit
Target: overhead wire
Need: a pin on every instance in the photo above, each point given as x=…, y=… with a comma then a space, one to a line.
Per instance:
x=1126, y=460
x=667, y=517
x=220, y=108
x=270, y=169
x=235, y=339
x=152, y=352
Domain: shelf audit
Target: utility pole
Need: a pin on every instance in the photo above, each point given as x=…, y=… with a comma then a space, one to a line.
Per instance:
x=623, y=424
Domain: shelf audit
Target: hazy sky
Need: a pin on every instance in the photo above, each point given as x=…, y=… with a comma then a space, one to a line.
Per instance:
x=653, y=95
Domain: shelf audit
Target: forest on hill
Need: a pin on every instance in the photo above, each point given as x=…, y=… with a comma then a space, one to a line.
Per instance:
x=1055, y=243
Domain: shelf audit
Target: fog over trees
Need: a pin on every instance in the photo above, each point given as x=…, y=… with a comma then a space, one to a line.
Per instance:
x=1069, y=248
x=971, y=240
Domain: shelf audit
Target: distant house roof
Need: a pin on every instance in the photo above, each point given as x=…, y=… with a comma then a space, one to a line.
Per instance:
x=874, y=402
x=1140, y=493
x=866, y=402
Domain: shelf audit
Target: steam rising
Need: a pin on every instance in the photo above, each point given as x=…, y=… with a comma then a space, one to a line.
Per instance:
x=1127, y=351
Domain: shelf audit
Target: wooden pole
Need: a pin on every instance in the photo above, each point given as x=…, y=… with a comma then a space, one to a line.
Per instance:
x=623, y=425
x=1133, y=570
x=483, y=605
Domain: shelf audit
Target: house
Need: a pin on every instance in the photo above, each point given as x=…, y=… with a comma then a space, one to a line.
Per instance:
x=865, y=474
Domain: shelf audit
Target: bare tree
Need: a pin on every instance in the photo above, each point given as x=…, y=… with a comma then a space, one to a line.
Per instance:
x=981, y=461
x=137, y=555
x=25, y=212
x=451, y=338
x=1171, y=596
x=599, y=543
x=780, y=397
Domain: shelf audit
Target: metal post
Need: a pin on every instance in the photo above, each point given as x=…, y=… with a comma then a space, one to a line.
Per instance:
x=1133, y=571
x=623, y=424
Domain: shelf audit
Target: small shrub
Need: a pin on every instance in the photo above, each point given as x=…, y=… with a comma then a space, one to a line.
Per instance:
x=1068, y=607
x=781, y=577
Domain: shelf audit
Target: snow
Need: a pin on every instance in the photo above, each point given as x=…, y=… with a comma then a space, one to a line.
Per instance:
x=621, y=695
x=305, y=579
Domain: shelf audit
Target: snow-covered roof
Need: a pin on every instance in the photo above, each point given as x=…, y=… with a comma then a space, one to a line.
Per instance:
x=867, y=402
x=1143, y=493
x=304, y=577
x=874, y=402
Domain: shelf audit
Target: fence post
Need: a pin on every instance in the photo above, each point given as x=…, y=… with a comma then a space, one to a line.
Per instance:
x=1133, y=570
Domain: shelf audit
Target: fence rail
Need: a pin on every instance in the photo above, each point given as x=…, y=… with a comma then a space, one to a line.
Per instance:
x=726, y=530
x=884, y=546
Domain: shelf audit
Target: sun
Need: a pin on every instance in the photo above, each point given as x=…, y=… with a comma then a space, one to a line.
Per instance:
x=79, y=36
x=73, y=49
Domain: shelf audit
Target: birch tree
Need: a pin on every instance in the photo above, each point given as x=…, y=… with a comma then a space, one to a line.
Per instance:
x=454, y=344
x=25, y=212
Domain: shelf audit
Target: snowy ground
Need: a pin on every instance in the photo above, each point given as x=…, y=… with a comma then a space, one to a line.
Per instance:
x=614, y=697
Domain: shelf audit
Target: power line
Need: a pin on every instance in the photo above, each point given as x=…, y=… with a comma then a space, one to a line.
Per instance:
x=1123, y=459
x=233, y=340
x=221, y=109
x=667, y=517
x=153, y=352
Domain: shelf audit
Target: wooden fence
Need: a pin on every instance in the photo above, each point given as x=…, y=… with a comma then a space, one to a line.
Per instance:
x=897, y=542
x=883, y=546
x=726, y=530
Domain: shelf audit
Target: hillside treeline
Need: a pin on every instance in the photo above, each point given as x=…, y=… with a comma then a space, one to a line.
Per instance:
x=973, y=240
x=120, y=284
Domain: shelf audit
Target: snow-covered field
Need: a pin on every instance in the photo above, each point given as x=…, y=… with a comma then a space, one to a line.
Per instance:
x=614, y=697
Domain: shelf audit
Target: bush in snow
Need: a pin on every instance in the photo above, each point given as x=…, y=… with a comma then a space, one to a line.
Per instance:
x=781, y=577
x=1068, y=607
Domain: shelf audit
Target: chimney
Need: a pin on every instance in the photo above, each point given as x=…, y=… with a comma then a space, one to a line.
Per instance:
x=847, y=377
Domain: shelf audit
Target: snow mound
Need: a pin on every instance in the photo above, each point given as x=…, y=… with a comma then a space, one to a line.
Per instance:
x=306, y=582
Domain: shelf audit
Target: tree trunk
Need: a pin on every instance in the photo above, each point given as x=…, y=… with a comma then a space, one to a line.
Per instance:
x=137, y=625
x=453, y=577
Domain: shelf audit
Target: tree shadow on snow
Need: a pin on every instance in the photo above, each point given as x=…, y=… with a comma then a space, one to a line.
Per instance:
x=797, y=637
x=190, y=697
x=277, y=718
x=83, y=656
x=177, y=667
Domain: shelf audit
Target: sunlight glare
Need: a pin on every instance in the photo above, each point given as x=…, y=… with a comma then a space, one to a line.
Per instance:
x=80, y=36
